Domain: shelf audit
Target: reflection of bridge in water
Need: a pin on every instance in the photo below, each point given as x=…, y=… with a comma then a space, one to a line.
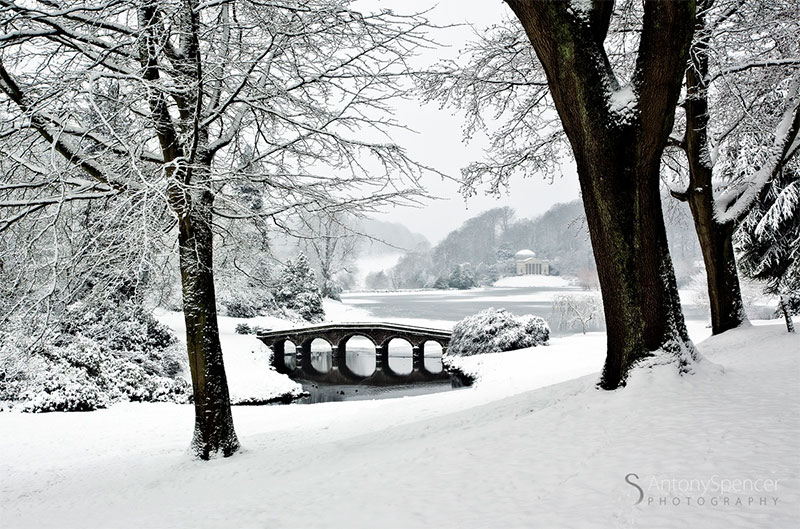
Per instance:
x=298, y=343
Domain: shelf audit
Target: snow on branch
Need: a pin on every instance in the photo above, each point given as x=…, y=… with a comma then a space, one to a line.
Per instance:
x=736, y=201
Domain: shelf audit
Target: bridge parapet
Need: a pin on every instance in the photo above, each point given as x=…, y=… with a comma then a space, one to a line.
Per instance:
x=338, y=334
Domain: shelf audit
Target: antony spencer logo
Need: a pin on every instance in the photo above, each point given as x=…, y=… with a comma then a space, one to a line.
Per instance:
x=714, y=491
x=636, y=486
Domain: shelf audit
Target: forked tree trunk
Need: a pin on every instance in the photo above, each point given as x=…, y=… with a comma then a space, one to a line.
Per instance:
x=617, y=138
x=716, y=239
x=213, y=431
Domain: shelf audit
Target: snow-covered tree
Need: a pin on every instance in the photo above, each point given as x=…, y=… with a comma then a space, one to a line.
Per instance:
x=298, y=290
x=583, y=312
x=461, y=277
x=769, y=240
x=174, y=109
x=616, y=107
x=740, y=121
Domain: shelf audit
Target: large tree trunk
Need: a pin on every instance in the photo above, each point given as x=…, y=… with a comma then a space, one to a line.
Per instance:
x=716, y=239
x=617, y=152
x=213, y=431
x=640, y=296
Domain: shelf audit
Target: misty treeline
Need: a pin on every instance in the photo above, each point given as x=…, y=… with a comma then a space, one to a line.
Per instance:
x=482, y=249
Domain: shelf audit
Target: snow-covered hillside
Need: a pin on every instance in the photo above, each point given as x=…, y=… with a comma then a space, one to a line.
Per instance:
x=530, y=446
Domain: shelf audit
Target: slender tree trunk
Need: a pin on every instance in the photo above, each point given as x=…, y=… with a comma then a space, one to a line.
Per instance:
x=716, y=243
x=716, y=239
x=617, y=136
x=788, y=317
x=213, y=431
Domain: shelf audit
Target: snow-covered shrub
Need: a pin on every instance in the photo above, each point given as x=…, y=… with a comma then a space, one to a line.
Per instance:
x=298, y=290
x=579, y=312
x=93, y=356
x=461, y=277
x=495, y=330
x=243, y=328
x=239, y=309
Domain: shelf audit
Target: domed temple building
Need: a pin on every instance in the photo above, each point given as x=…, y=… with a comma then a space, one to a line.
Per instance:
x=529, y=264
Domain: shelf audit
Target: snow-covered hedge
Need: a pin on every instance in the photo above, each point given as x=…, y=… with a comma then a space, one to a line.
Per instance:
x=95, y=356
x=495, y=330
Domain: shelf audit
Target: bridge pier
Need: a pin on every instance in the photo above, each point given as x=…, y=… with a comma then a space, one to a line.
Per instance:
x=340, y=373
x=303, y=356
x=279, y=358
x=418, y=359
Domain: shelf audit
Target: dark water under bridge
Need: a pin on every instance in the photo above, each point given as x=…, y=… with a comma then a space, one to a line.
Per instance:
x=337, y=336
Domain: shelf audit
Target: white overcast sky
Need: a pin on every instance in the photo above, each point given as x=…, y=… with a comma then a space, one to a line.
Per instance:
x=438, y=139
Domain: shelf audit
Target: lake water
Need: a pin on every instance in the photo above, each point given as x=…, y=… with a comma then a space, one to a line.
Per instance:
x=454, y=305
x=450, y=306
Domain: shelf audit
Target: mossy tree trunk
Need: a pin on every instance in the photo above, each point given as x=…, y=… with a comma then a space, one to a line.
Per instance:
x=617, y=136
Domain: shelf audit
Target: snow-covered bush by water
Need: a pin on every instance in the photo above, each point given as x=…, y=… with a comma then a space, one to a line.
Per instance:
x=97, y=355
x=495, y=330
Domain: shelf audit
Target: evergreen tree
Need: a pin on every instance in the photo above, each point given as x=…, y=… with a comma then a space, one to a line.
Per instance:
x=461, y=277
x=298, y=290
x=769, y=242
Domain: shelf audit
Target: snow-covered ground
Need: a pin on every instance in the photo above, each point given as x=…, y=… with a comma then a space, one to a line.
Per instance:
x=535, y=444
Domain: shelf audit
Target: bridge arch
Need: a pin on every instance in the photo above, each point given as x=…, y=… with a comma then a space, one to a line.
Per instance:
x=320, y=354
x=357, y=355
x=399, y=356
x=432, y=353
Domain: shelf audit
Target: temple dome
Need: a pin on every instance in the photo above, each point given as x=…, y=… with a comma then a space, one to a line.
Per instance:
x=524, y=254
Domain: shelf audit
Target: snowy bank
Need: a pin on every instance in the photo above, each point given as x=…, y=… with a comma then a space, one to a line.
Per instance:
x=251, y=377
x=532, y=281
x=531, y=446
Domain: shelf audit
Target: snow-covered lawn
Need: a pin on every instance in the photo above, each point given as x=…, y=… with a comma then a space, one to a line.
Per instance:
x=533, y=445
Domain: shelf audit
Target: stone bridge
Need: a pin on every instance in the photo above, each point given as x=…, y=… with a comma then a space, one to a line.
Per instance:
x=338, y=334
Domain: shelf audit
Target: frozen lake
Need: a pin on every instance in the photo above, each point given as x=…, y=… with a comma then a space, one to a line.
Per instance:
x=454, y=305
x=444, y=308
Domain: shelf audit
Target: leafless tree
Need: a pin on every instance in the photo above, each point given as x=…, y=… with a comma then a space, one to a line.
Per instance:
x=181, y=112
x=331, y=240
x=582, y=312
